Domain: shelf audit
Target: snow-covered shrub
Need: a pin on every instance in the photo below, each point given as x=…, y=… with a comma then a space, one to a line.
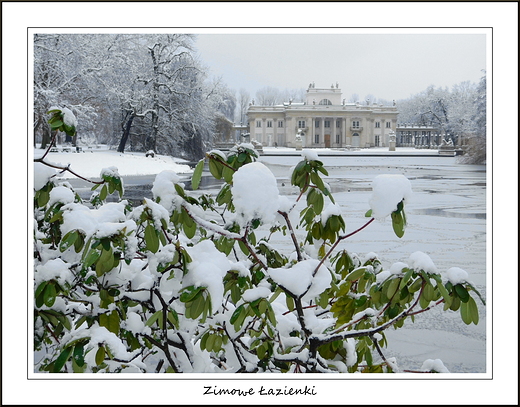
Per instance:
x=190, y=282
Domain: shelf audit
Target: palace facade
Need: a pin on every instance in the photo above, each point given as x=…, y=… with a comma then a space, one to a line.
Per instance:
x=324, y=120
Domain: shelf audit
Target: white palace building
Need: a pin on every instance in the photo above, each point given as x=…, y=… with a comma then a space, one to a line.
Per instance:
x=324, y=120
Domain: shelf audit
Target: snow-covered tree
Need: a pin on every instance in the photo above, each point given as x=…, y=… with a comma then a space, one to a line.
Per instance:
x=475, y=150
x=66, y=71
x=148, y=90
x=459, y=114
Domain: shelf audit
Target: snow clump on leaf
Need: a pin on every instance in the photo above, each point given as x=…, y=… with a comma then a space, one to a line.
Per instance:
x=388, y=191
x=299, y=278
x=456, y=275
x=164, y=189
x=421, y=261
x=208, y=268
x=255, y=194
x=42, y=175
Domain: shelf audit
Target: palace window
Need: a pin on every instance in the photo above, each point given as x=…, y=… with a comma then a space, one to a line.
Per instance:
x=269, y=123
x=326, y=123
x=355, y=124
x=338, y=138
x=280, y=123
x=338, y=124
x=378, y=125
x=301, y=124
x=387, y=125
x=325, y=102
x=258, y=123
x=316, y=139
x=317, y=123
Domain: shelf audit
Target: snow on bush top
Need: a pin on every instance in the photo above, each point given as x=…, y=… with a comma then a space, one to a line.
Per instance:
x=310, y=155
x=60, y=194
x=299, y=277
x=163, y=188
x=68, y=117
x=456, y=275
x=330, y=210
x=89, y=221
x=208, y=268
x=435, y=365
x=388, y=191
x=255, y=194
x=421, y=261
x=42, y=174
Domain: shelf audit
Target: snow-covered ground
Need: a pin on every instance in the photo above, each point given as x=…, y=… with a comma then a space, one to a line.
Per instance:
x=90, y=162
x=447, y=219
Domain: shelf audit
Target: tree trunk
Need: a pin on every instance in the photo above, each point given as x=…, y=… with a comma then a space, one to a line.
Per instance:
x=46, y=135
x=126, y=134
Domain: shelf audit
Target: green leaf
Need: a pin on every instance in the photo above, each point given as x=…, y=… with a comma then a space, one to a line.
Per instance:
x=153, y=318
x=316, y=180
x=462, y=293
x=217, y=343
x=368, y=213
x=227, y=174
x=398, y=223
x=473, y=310
x=100, y=355
x=79, y=243
x=469, y=311
x=105, y=262
x=428, y=291
x=289, y=301
x=356, y=274
x=110, y=321
x=242, y=157
x=318, y=205
x=40, y=289
x=210, y=341
x=49, y=294
x=151, y=238
x=322, y=170
x=190, y=228
x=92, y=257
x=204, y=340
x=60, y=361
x=77, y=354
x=68, y=240
x=406, y=278
x=392, y=287
x=189, y=293
x=215, y=168
x=270, y=315
x=55, y=123
x=197, y=175
x=236, y=314
x=173, y=317
x=198, y=305
x=104, y=192
x=465, y=314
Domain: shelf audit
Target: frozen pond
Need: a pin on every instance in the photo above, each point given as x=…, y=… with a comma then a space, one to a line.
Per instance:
x=446, y=220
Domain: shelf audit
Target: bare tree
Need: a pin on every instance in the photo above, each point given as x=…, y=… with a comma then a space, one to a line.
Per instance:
x=242, y=104
x=268, y=96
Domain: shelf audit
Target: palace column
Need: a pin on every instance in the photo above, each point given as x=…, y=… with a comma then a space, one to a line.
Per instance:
x=382, y=137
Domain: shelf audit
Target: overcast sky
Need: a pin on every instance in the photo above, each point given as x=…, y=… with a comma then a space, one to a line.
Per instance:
x=390, y=65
